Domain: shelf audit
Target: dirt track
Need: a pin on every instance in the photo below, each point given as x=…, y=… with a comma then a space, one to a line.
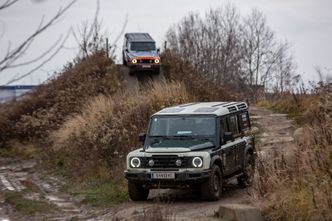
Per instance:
x=275, y=134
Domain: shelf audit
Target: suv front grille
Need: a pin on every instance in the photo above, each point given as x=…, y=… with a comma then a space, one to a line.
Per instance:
x=166, y=161
x=145, y=61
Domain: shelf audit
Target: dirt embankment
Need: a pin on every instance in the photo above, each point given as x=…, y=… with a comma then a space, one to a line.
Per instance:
x=20, y=176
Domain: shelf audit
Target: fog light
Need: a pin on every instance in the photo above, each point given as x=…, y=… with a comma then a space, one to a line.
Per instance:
x=151, y=163
x=134, y=61
x=178, y=163
x=156, y=61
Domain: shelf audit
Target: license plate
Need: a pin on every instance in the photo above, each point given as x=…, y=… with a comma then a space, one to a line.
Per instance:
x=163, y=175
x=146, y=66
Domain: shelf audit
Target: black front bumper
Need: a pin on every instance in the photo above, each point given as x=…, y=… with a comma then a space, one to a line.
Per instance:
x=144, y=67
x=181, y=179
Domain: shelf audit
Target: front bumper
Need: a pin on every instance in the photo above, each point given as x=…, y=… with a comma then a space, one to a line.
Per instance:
x=144, y=67
x=181, y=179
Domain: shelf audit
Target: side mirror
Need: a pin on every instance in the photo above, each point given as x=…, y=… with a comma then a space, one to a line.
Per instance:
x=228, y=136
x=158, y=50
x=127, y=50
x=141, y=137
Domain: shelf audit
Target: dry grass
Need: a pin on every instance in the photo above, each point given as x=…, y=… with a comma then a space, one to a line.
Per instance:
x=300, y=188
x=295, y=105
x=177, y=69
x=97, y=141
x=45, y=109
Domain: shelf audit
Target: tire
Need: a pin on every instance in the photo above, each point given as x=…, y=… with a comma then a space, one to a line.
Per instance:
x=211, y=189
x=124, y=62
x=137, y=192
x=247, y=178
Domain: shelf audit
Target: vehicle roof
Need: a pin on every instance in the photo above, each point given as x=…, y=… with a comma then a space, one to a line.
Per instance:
x=204, y=108
x=139, y=37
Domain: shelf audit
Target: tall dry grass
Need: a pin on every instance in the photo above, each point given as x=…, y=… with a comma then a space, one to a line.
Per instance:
x=300, y=188
x=44, y=109
x=294, y=105
x=98, y=139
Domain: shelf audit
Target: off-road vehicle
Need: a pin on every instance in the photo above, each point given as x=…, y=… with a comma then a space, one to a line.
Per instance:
x=140, y=53
x=195, y=145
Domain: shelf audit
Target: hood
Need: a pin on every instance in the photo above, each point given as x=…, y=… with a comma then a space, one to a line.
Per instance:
x=202, y=146
x=167, y=150
x=144, y=54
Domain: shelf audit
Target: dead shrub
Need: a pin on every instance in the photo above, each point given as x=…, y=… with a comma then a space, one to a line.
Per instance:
x=175, y=68
x=108, y=127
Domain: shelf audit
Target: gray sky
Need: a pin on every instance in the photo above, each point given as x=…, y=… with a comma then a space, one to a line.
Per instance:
x=306, y=24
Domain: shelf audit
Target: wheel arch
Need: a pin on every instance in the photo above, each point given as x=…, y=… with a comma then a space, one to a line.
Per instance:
x=218, y=161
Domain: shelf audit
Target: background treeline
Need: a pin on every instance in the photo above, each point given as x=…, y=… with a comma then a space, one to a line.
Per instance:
x=241, y=52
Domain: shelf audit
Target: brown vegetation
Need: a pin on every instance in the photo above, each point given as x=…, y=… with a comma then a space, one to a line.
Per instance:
x=44, y=109
x=91, y=143
x=300, y=188
x=178, y=69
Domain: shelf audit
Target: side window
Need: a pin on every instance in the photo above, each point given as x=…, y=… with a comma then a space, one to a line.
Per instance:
x=244, y=121
x=223, y=129
x=233, y=125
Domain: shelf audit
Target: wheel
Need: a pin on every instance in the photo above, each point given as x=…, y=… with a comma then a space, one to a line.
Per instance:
x=137, y=192
x=212, y=188
x=124, y=62
x=248, y=172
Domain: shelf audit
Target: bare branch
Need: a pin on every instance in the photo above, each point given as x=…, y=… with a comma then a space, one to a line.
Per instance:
x=7, y=4
x=39, y=57
x=13, y=55
x=41, y=64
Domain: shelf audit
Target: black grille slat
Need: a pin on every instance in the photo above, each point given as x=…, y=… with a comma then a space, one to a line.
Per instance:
x=145, y=61
x=166, y=161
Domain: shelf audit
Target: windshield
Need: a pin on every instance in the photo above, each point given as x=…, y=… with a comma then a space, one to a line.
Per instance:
x=181, y=131
x=143, y=46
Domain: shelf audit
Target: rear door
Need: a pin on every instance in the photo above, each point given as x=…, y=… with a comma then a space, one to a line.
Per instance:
x=232, y=151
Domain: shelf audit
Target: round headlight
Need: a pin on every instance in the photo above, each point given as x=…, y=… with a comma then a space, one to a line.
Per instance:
x=156, y=61
x=134, y=61
x=197, y=162
x=135, y=162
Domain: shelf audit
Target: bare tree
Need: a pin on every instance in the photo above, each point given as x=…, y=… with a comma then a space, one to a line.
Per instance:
x=324, y=75
x=210, y=44
x=229, y=49
x=13, y=55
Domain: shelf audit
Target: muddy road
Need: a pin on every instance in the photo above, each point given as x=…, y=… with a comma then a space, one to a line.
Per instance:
x=275, y=134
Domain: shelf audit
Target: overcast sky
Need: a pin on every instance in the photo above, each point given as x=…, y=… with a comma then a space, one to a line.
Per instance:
x=306, y=24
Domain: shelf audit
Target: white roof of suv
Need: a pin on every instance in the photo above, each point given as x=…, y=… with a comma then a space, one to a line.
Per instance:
x=214, y=108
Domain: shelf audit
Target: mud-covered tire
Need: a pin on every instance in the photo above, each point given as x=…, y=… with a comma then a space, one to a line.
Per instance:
x=211, y=189
x=247, y=178
x=137, y=192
